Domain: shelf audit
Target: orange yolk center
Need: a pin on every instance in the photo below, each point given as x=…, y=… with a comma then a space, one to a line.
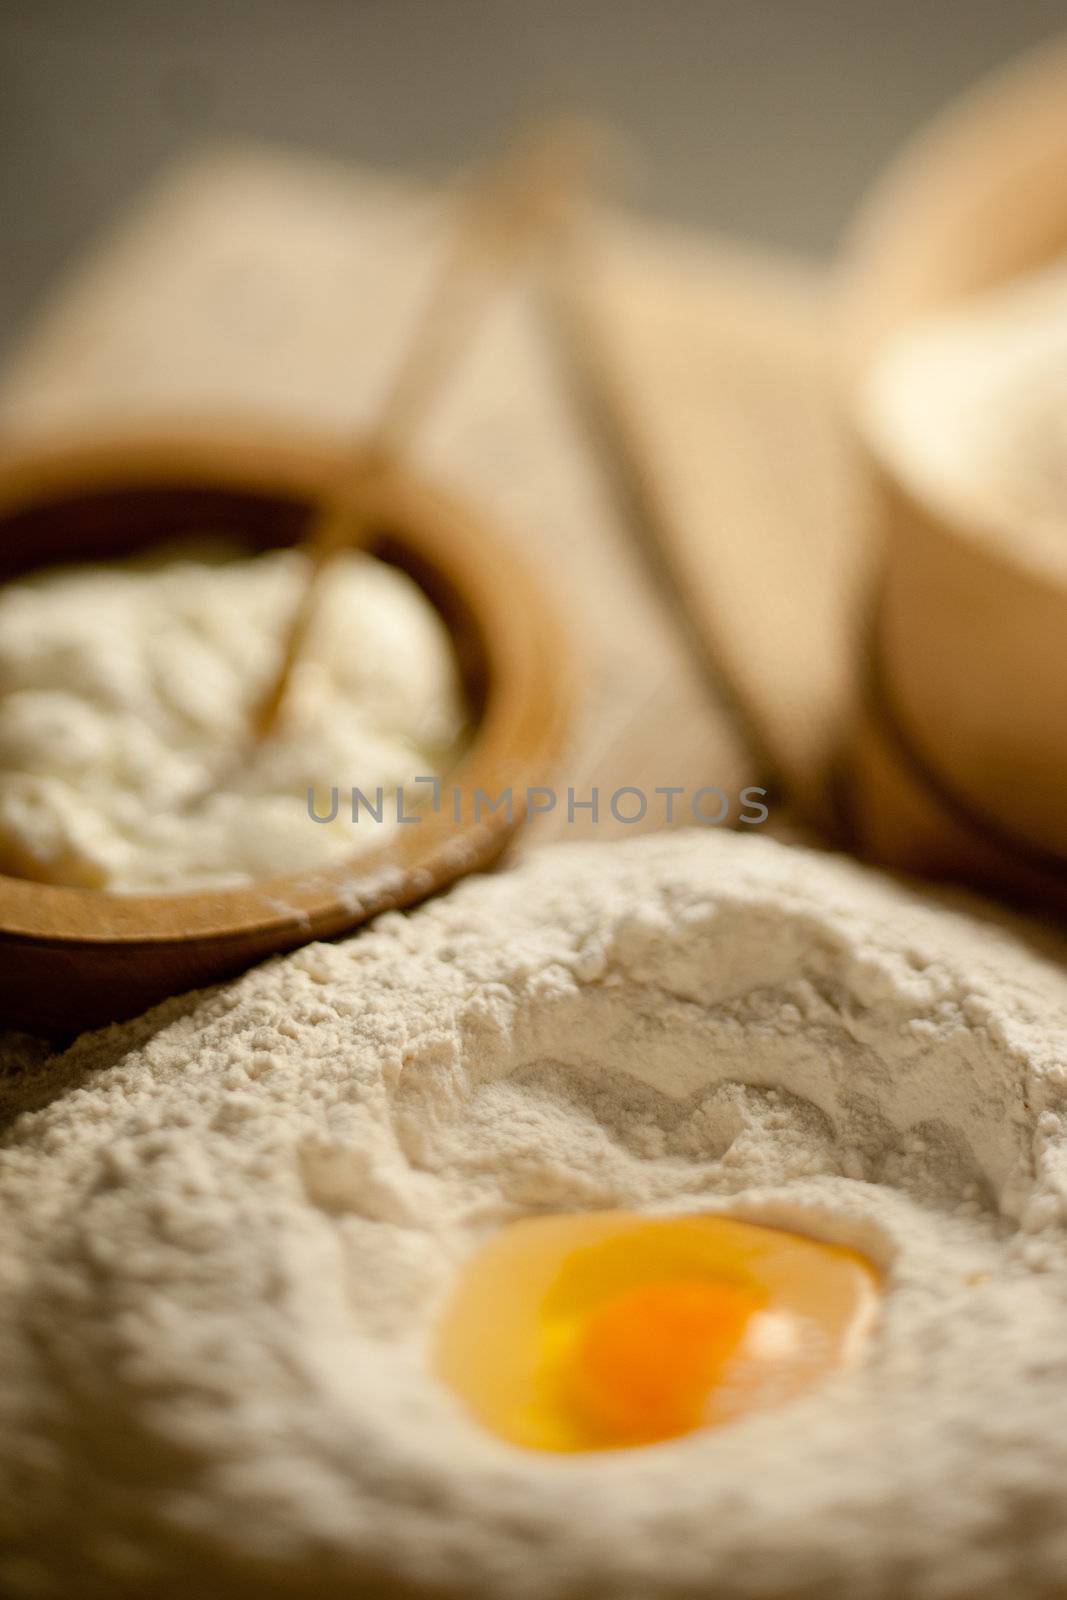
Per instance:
x=646, y=1360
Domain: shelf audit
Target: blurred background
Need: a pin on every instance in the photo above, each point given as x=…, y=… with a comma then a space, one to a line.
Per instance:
x=765, y=118
x=704, y=464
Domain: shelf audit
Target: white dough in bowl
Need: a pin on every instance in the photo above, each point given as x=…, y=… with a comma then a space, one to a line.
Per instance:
x=227, y=1230
x=125, y=704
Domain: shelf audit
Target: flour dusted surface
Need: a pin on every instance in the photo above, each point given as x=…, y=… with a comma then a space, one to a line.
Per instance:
x=224, y=1242
x=125, y=695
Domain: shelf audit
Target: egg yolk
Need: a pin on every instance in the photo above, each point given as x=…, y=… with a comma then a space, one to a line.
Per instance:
x=612, y=1329
x=618, y=1380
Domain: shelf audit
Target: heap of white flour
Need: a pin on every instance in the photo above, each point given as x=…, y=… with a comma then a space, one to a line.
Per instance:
x=227, y=1228
x=125, y=692
x=971, y=407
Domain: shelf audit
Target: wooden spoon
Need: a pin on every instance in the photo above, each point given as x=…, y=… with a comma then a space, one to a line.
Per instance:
x=520, y=201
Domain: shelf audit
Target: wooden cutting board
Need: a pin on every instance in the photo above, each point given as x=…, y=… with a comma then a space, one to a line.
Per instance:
x=712, y=369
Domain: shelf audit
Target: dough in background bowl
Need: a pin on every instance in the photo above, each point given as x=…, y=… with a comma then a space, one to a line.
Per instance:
x=227, y=1230
x=125, y=695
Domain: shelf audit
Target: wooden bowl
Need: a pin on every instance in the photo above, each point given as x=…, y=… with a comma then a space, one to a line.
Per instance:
x=72, y=958
x=958, y=762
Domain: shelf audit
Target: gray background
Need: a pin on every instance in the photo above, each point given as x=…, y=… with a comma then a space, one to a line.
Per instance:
x=761, y=117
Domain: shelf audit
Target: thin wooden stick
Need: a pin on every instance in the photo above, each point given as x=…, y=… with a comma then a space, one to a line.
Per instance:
x=522, y=200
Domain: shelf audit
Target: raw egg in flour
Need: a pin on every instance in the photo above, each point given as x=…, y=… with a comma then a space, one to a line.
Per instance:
x=613, y=1329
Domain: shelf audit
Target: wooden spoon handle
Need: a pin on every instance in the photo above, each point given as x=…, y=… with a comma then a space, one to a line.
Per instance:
x=518, y=203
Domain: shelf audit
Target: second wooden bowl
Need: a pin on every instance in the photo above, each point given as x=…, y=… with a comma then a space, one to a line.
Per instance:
x=71, y=958
x=959, y=761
